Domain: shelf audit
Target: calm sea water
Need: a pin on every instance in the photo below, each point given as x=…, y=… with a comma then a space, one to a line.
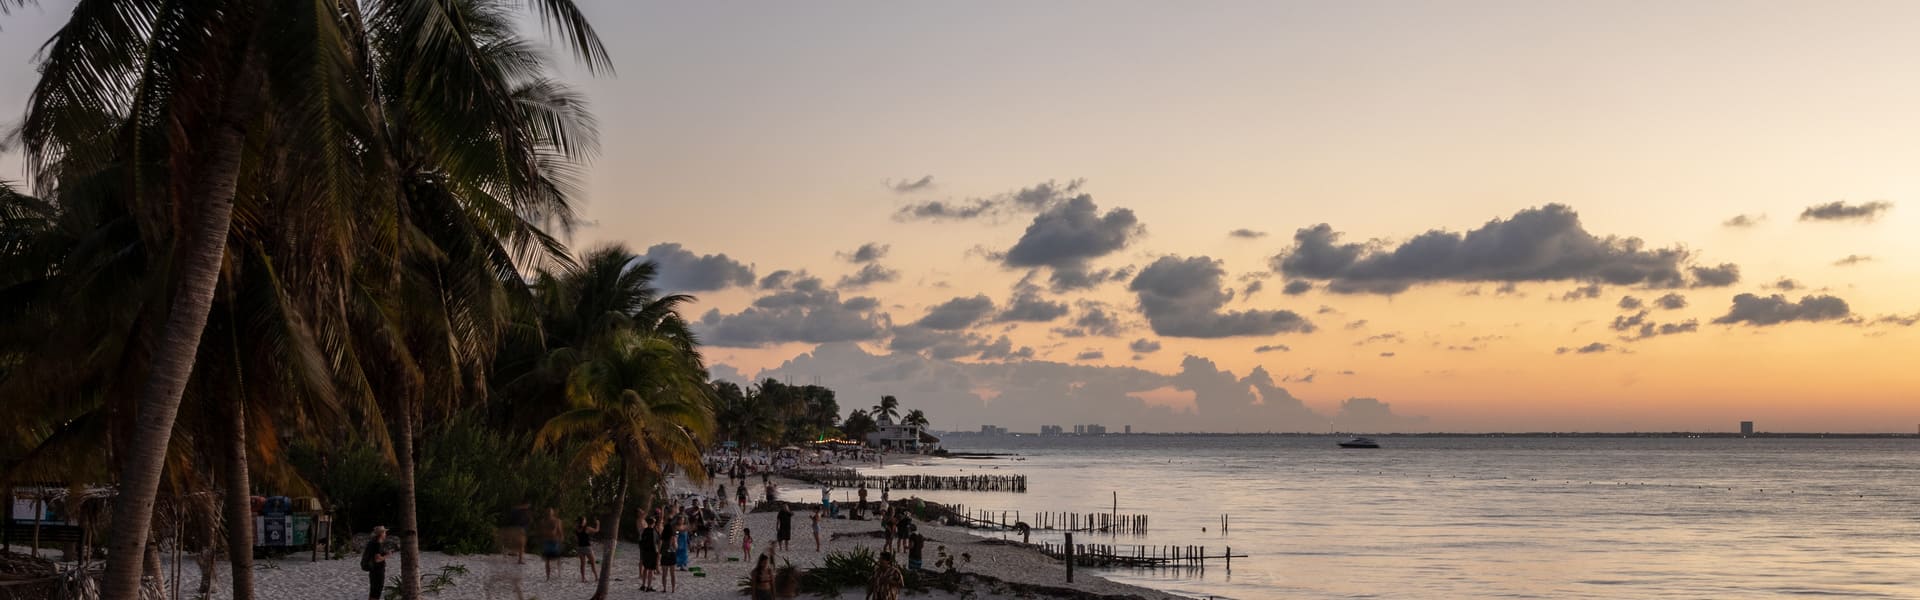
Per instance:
x=1489, y=517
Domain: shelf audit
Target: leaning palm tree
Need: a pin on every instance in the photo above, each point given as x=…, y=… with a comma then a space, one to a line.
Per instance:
x=888, y=408
x=915, y=418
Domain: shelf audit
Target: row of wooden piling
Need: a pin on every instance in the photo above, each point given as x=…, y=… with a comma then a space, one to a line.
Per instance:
x=849, y=478
x=1058, y=521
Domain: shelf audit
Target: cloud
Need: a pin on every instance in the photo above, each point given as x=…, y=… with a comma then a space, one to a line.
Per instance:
x=1297, y=287
x=1392, y=336
x=807, y=313
x=1027, y=306
x=1630, y=303
x=1090, y=354
x=1721, y=276
x=1593, y=348
x=1272, y=348
x=1388, y=354
x=1253, y=287
x=1536, y=244
x=1671, y=301
x=683, y=271
x=1067, y=236
x=869, y=274
x=1351, y=325
x=1183, y=298
x=866, y=253
x=1744, y=221
x=1585, y=292
x=1639, y=326
x=958, y=313
x=908, y=186
x=1095, y=319
x=1898, y=320
x=947, y=345
x=1369, y=414
x=1026, y=200
x=1776, y=309
x=1841, y=211
x=1852, y=259
x=1248, y=234
x=1787, y=285
x=785, y=278
x=1144, y=346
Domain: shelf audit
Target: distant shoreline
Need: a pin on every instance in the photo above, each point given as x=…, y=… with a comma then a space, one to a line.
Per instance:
x=1667, y=434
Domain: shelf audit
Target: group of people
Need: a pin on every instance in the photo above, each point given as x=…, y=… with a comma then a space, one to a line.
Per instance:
x=670, y=537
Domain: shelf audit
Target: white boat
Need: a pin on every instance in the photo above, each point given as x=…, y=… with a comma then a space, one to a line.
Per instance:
x=1360, y=442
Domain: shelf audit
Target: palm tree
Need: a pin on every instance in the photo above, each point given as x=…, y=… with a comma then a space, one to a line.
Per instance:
x=636, y=387
x=887, y=409
x=915, y=418
x=858, y=425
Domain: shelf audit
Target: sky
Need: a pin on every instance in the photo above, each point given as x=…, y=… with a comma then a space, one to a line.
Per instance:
x=1274, y=216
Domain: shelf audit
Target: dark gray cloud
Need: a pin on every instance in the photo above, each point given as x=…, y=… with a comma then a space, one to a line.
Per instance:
x=1027, y=306
x=1026, y=200
x=1352, y=325
x=866, y=253
x=782, y=278
x=1271, y=348
x=1640, y=326
x=1144, y=346
x=1852, y=259
x=683, y=271
x=1068, y=235
x=1391, y=336
x=948, y=345
x=807, y=313
x=1297, y=287
x=1841, y=211
x=1671, y=301
x=908, y=186
x=958, y=313
x=1080, y=278
x=1095, y=319
x=1090, y=354
x=869, y=274
x=1001, y=348
x=1593, y=348
x=1721, y=276
x=1786, y=285
x=1183, y=298
x=1248, y=234
x=1630, y=303
x=1253, y=287
x=1898, y=320
x=1744, y=221
x=1585, y=292
x=1536, y=244
x=1776, y=309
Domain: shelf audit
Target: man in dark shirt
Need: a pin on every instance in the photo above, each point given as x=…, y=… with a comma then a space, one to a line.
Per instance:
x=916, y=544
x=374, y=561
x=785, y=537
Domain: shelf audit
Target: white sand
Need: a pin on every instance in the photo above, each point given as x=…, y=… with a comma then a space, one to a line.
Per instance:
x=295, y=578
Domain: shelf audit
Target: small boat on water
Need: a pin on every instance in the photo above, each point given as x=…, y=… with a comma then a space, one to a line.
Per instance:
x=1360, y=442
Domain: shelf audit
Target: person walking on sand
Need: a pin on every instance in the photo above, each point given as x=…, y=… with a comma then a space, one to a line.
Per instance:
x=816, y=529
x=669, y=549
x=374, y=562
x=583, y=531
x=722, y=494
x=887, y=580
x=740, y=494
x=746, y=544
x=649, y=554
x=887, y=529
x=783, y=537
x=761, y=579
x=518, y=518
x=862, y=506
x=550, y=536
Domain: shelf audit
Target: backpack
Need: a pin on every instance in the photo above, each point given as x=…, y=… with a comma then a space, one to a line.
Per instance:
x=366, y=561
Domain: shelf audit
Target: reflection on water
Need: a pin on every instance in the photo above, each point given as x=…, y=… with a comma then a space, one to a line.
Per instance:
x=1481, y=517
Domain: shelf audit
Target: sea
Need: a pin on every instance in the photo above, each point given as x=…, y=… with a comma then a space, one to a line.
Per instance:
x=1481, y=517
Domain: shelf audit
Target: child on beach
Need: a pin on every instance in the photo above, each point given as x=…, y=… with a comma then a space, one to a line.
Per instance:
x=816, y=530
x=746, y=545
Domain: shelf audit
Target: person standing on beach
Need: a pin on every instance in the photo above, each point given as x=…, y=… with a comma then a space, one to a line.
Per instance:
x=826, y=498
x=916, y=545
x=722, y=494
x=683, y=543
x=816, y=530
x=550, y=536
x=861, y=508
x=740, y=493
x=887, y=580
x=761, y=579
x=583, y=531
x=669, y=550
x=649, y=553
x=783, y=537
x=374, y=562
x=518, y=519
x=746, y=544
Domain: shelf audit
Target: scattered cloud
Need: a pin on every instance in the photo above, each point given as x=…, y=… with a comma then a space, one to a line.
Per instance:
x=1536, y=244
x=1640, y=326
x=1028, y=306
x=1369, y=414
x=908, y=186
x=806, y=313
x=1067, y=235
x=1183, y=298
x=784, y=278
x=1585, y=292
x=1852, y=259
x=1297, y=287
x=1721, y=276
x=1026, y=200
x=958, y=313
x=1253, y=287
x=866, y=253
x=1671, y=301
x=1090, y=354
x=1351, y=325
x=1248, y=234
x=1593, y=348
x=869, y=274
x=1388, y=354
x=1271, y=348
x=1897, y=320
x=1144, y=346
x=1630, y=303
x=1776, y=309
x=682, y=270
x=1096, y=319
x=1841, y=211
x=1392, y=336
x=1787, y=285
x=1744, y=221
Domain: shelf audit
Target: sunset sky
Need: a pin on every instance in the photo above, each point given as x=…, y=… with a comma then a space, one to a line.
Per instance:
x=1071, y=175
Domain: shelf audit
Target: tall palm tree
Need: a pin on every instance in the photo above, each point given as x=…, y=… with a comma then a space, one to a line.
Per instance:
x=915, y=418
x=887, y=409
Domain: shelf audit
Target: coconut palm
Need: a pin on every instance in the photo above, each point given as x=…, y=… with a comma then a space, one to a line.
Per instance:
x=887, y=409
x=915, y=418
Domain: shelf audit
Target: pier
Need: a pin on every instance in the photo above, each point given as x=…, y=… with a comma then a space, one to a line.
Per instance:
x=1138, y=556
x=1115, y=523
x=849, y=478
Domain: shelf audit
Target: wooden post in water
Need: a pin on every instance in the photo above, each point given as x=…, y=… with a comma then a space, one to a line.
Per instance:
x=1069, y=554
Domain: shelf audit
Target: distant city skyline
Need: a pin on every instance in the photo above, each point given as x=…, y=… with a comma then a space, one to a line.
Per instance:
x=1260, y=216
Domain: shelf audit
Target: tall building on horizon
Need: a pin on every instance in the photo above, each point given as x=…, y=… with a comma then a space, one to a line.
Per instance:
x=1746, y=428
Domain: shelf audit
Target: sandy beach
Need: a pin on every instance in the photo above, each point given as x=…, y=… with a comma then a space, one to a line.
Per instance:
x=296, y=578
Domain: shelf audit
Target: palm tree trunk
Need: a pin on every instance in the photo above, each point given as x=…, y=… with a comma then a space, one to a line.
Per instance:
x=613, y=541
x=202, y=247
x=239, y=503
x=409, y=519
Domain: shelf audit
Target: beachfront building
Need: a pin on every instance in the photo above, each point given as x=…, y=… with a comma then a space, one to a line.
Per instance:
x=888, y=435
x=1092, y=429
x=1050, y=430
x=1746, y=428
x=992, y=430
